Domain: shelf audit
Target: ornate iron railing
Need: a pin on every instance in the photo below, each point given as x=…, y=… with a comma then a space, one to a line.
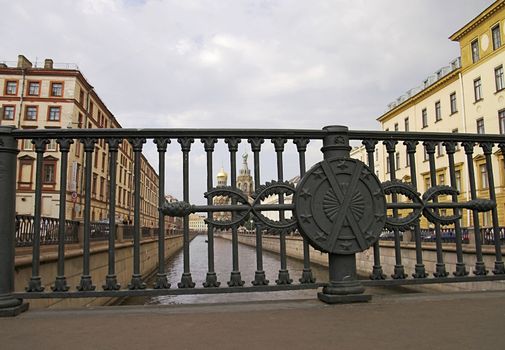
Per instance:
x=339, y=206
x=48, y=230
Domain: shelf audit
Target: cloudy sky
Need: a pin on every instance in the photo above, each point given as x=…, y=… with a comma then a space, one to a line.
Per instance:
x=233, y=63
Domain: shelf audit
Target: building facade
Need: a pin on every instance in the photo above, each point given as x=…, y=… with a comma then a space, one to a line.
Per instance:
x=55, y=96
x=467, y=95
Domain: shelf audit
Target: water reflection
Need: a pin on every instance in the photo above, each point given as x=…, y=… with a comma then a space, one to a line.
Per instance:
x=223, y=264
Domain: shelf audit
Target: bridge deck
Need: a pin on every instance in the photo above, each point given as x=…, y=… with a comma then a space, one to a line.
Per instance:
x=391, y=321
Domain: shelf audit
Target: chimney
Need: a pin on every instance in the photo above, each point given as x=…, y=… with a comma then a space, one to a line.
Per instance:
x=23, y=62
x=48, y=63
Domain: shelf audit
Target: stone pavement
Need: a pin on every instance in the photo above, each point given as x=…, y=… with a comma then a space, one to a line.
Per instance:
x=464, y=320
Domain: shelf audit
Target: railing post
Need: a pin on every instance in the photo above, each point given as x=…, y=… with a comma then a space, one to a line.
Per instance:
x=343, y=286
x=9, y=306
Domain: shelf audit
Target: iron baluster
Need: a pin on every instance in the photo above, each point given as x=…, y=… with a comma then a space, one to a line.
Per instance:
x=440, y=270
x=499, y=267
x=377, y=273
x=136, y=280
x=235, y=278
x=307, y=276
x=259, y=274
x=399, y=271
x=186, y=280
x=450, y=147
x=211, y=277
x=86, y=284
x=161, y=277
x=60, y=284
x=35, y=285
x=111, y=279
x=480, y=267
x=420, y=271
x=283, y=272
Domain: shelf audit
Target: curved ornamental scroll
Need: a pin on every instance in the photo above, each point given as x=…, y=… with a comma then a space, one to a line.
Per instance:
x=243, y=209
x=427, y=205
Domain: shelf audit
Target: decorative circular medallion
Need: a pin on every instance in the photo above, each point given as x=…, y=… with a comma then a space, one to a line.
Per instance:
x=340, y=206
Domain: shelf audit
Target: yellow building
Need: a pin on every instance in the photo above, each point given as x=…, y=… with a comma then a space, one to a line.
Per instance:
x=59, y=96
x=466, y=96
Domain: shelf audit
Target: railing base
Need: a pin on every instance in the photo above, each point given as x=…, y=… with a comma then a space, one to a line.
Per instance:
x=343, y=299
x=14, y=310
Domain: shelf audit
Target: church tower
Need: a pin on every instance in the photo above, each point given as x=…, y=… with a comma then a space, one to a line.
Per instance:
x=244, y=179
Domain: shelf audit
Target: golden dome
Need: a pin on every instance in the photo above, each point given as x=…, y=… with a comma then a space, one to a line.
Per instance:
x=222, y=174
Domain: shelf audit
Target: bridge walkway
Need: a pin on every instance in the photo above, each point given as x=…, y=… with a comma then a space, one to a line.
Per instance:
x=464, y=320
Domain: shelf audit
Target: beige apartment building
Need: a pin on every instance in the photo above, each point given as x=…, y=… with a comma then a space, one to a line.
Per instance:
x=465, y=96
x=59, y=96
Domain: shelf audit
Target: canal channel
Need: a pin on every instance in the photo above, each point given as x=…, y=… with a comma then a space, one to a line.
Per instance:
x=223, y=263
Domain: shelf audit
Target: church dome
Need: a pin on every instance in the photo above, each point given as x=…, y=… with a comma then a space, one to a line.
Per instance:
x=222, y=174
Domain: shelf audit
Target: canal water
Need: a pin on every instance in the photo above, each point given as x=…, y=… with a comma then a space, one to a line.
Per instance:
x=223, y=267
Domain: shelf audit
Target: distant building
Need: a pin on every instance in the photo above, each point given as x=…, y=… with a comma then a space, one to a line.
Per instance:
x=468, y=96
x=197, y=223
x=58, y=96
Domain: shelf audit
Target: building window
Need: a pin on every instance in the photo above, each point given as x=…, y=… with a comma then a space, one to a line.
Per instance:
x=426, y=156
x=397, y=160
x=477, y=89
x=441, y=179
x=388, y=168
x=425, y=117
x=495, y=31
x=48, y=173
x=31, y=112
x=438, y=112
x=427, y=183
x=57, y=89
x=475, y=50
x=407, y=159
x=457, y=174
x=25, y=172
x=396, y=126
x=480, y=126
x=34, y=88
x=406, y=123
x=9, y=112
x=54, y=113
x=483, y=176
x=498, y=78
x=501, y=121
x=440, y=149
x=52, y=146
x=454, y=107
x=11, y=88
x=93, y=185
x=27, y=145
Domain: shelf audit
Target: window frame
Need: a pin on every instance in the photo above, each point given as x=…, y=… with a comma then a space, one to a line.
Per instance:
x=424, y=117
x=477, y=89
x=25, y=161
x=453, y=102
x=496, y=29
x=501, y=120
x=438, y=111
x=28, y=86
x=49, y=161
x=6, y=87
x=478, y=122
x=4, y=110
x=51, y=91
x=49, y=109
x=499, y=79
x=475, y=51
x=27, y=107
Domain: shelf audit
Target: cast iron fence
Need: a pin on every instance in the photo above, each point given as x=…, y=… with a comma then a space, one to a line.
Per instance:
x=48, y=230
x=339, y=206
